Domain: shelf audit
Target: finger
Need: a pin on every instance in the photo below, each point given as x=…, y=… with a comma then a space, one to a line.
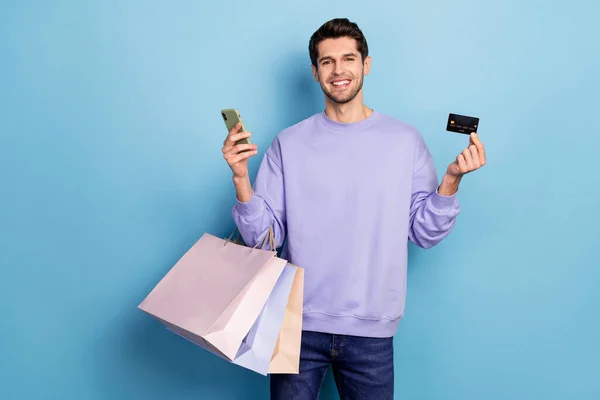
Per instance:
x=462, y=164
x=234, y=150
x=243, y=147
x=237, y=136
x=226, y=148
x=480, y=148
x=242, y=156
x=469, y=161
x=475, y=156
x=235, y=128
x=233, y=131
x=231, y=140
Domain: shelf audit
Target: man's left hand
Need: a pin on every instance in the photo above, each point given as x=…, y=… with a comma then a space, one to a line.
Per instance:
x=470, y=159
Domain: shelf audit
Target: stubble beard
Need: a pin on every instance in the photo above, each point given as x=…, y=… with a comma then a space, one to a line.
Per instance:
x=343, y=99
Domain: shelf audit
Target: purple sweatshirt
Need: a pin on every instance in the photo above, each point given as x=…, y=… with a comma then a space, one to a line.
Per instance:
x=346, y=198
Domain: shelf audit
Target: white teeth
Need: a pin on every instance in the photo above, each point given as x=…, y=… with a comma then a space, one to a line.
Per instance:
x=340, y=83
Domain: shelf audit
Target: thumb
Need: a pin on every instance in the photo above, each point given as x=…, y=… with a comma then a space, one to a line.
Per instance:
x=471, y=137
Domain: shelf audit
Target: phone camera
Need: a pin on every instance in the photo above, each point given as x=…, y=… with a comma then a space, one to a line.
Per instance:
x=224, y=116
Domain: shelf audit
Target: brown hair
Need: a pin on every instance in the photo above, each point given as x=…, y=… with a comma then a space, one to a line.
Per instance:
x=337, y=28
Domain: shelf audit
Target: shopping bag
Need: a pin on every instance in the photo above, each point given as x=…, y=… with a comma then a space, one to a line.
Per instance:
x=215, y=293
x=286, y=355
x=257, y=348
x=263, y=350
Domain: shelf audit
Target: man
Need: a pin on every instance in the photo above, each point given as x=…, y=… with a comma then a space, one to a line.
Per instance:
x=348, y=188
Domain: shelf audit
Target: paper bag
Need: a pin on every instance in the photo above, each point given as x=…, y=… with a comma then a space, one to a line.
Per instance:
x=257, y=348
x=286, y=356
x=215, y=293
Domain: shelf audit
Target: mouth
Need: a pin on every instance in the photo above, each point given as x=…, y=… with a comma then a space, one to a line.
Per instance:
x=340, y=83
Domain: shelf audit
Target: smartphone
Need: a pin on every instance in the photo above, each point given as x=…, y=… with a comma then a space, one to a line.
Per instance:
x=231, y=117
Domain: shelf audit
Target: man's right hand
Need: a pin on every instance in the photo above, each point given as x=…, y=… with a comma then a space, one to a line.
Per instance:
x=237, y=155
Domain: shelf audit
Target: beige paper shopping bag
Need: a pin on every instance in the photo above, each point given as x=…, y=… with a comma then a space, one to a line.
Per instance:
x=286, y=357
x=215, y=292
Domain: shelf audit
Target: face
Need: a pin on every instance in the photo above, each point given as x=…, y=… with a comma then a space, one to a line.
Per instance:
x=340, y=69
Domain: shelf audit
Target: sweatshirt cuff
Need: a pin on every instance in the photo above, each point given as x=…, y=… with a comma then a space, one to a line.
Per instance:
x=248, y=209
x=443, y=202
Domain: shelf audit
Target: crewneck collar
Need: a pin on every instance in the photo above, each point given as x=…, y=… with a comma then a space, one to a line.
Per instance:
x=349, y=127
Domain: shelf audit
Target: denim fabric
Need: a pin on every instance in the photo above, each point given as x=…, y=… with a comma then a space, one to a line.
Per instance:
x=363, y=368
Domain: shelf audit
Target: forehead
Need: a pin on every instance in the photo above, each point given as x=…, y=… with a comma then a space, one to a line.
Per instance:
x=337, y=47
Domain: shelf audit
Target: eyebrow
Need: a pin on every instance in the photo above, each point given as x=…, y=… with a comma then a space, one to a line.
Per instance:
x=331, y=58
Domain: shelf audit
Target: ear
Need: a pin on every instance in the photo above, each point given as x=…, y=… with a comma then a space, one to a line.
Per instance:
x=315, y=73
x=367, y=65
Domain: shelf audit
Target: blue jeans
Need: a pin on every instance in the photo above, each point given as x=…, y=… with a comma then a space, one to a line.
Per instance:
x=363, y=368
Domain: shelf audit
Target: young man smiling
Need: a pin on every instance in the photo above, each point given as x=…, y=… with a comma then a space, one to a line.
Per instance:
x=347, y=189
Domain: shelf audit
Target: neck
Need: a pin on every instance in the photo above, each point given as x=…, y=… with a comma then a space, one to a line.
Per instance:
x=354, y=111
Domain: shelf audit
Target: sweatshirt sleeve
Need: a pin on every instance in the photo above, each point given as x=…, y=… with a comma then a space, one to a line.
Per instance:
x=432, y=216
x=266, y=207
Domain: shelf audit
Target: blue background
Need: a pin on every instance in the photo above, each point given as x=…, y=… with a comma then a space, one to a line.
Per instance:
x=111, y=168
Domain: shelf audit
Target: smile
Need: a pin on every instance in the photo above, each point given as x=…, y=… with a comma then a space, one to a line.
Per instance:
x=341, y=83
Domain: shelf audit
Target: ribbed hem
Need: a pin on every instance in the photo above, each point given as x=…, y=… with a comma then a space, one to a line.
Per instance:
x=249, y=209
x=343, y=325
x=443, y=202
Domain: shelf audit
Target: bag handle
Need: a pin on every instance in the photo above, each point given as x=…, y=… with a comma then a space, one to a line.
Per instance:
x=270, y=236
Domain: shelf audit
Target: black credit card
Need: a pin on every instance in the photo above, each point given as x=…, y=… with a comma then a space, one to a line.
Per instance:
x=462, y=124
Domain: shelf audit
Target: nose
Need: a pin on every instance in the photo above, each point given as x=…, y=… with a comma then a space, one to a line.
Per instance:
x=338, y=70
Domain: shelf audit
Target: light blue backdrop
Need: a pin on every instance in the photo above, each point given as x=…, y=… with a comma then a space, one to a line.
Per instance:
x=110, y=168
